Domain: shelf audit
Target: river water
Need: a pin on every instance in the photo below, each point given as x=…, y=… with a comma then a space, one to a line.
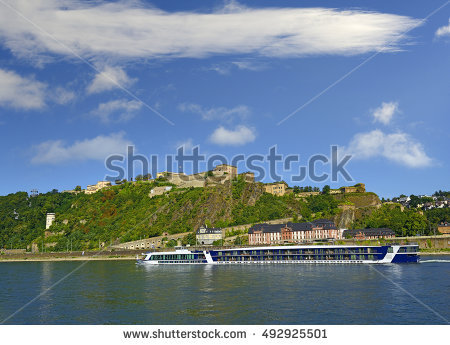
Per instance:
x=123, y=292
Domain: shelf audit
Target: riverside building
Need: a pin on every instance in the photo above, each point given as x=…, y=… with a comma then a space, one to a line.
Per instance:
x=320, y=229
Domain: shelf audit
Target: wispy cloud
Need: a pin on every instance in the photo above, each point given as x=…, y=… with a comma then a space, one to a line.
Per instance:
x=187, y=144
x=130, y=30
x=398, y=147
x=61, y=95
x=98, y=148
x=385, y=112
x=21, y=92
x=241, y=135
x=119, y=110
x=217, y=113
x=225, y=68
x=222, y=69
x=443, y=30
x=110, y=78
x=249, y=65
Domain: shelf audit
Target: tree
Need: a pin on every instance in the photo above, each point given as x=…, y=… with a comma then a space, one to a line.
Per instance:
x=139, y=178
x=78, y=188
x=147, y=177
x=172, y=243
x=240, y=240
x=322, y=203
x=326, y=189
x=189, y=239
x=404, y=223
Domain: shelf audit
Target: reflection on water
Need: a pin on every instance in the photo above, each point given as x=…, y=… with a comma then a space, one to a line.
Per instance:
x=115, y=292
x=45, y=309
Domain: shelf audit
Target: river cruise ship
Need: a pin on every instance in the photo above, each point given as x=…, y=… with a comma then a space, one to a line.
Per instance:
x=307, y=254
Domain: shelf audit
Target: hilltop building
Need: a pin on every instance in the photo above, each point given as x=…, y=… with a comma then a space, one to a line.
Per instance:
x=293, y=232
x=225, y=169
x=94, y=188
x=219, y=175
x=357, y=188
x=248, y=177
x=276, y=188
x=90, y=189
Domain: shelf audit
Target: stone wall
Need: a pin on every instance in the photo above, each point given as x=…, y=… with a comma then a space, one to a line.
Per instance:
x=335, y=191
x=249, y=177
x=247, y=226
x=305, y=194
x=159, y=191
x=424, y=242
x=12, y=251
x=148, y=243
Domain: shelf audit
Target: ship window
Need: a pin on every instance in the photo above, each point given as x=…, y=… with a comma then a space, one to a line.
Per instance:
x=390, y=250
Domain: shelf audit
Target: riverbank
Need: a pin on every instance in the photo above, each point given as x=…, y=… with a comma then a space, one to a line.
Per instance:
x=72, y=256
x=435, y=252
x=95, y=256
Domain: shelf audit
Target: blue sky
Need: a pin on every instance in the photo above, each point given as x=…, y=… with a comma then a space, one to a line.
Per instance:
x=82, y=80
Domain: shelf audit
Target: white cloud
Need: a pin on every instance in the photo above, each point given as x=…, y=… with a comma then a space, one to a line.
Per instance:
x=385, y=112
x=187, y=145
x=110, y=78
x=249, y=65
x=225, y=68
x=241, y=135
x=443, y=30
x=62, y=96
x=20, y=92
x=217, y=113
x=119, y=110
x=397, y=147
x=98, y=148
x=130, y=29
x=222, y=69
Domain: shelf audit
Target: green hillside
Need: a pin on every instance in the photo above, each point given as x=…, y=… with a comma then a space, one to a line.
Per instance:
x=126, y=212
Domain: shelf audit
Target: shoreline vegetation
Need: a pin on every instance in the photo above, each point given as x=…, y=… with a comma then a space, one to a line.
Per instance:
x=135, y=210
x=92, y=256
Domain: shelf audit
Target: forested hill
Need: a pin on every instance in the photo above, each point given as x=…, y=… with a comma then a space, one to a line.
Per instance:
x=126, y=212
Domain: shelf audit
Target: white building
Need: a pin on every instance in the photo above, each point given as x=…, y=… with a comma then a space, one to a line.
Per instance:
x=207, y=236
x=50, y=220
